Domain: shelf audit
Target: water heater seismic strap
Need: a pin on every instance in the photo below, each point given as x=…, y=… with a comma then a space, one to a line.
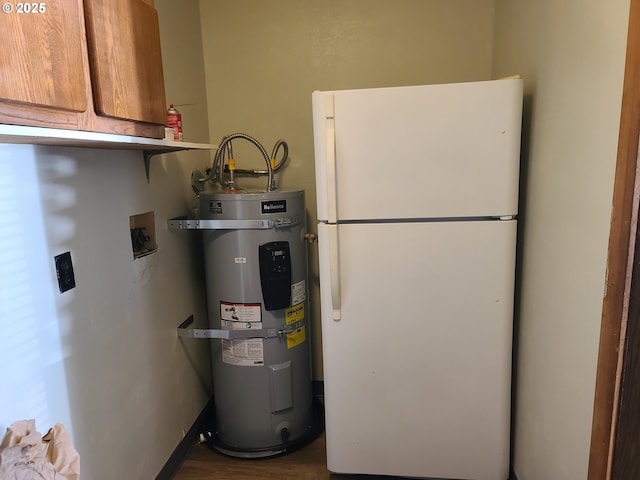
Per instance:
x=257, y=224
x=184, y=331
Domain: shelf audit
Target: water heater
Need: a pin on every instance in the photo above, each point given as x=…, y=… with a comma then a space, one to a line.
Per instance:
x=257, y=294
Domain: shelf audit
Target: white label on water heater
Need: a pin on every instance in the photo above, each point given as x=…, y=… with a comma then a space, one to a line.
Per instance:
x=298, y=292
x=233, y=325
x=242, y=316
x=246, y=353
x=240, y=312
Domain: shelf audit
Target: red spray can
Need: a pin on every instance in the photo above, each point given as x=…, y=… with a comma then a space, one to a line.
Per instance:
x=174, y=120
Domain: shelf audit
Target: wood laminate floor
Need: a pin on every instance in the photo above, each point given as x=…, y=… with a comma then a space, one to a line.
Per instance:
x=308, y=463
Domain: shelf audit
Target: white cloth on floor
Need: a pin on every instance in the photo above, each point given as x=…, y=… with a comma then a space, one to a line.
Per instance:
x=26, y=455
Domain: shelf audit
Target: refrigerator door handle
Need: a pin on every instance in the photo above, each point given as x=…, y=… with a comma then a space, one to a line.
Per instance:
x=332, y=209
x=334, y=273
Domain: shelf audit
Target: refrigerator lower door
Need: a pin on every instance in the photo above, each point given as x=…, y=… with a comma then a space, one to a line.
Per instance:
x=417, y=363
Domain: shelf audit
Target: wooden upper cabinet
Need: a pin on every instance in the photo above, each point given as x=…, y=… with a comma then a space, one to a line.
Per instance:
x=125, y=60
x=41, y=57
x=92, y=65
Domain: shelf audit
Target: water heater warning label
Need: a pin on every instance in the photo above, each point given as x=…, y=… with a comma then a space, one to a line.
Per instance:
x=240, y=312
x=294, y=314
x=298, y=292
x=242, y=316
x=247, y=353
x=295, y=338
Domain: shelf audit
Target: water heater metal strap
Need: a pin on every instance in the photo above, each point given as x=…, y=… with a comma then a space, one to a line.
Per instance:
x=184, y=331
x=255, y=224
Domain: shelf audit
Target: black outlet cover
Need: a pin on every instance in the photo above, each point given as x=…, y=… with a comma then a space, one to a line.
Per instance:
x=64, y=271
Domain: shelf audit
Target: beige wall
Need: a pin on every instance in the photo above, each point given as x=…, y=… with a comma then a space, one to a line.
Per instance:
x=189, y=388
x=571, y=55
x=263, y=60
x=184, y=81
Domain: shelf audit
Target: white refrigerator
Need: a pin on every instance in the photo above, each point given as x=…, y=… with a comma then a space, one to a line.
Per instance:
x=417, y=191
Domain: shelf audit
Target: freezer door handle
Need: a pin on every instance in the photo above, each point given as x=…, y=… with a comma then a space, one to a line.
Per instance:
x=332, y=210
x=334, y=273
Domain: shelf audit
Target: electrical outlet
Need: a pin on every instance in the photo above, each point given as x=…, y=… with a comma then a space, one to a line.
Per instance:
x=64, y=271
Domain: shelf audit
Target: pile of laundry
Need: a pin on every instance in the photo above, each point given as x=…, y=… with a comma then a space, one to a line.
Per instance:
x=27, y=455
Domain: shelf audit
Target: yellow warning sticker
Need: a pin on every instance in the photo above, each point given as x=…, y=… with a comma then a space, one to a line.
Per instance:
x=295, y=338
x=295, y=313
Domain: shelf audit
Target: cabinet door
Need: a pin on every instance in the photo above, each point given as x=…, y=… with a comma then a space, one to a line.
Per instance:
x=125, y=60
x=41, y=55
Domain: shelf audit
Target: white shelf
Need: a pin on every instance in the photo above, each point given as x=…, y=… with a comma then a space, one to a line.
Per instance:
x=83, y=139
x=78, y=138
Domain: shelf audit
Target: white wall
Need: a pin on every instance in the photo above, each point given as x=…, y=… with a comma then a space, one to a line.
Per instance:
x=104, y=359
x=571, y=55
x=264, y=59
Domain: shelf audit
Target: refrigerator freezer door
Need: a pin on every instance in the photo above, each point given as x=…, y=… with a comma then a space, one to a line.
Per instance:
x=448, y=150
x=418, y=366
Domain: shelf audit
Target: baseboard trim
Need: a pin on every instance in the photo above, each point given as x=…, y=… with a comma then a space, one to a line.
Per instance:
x=182, y=450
